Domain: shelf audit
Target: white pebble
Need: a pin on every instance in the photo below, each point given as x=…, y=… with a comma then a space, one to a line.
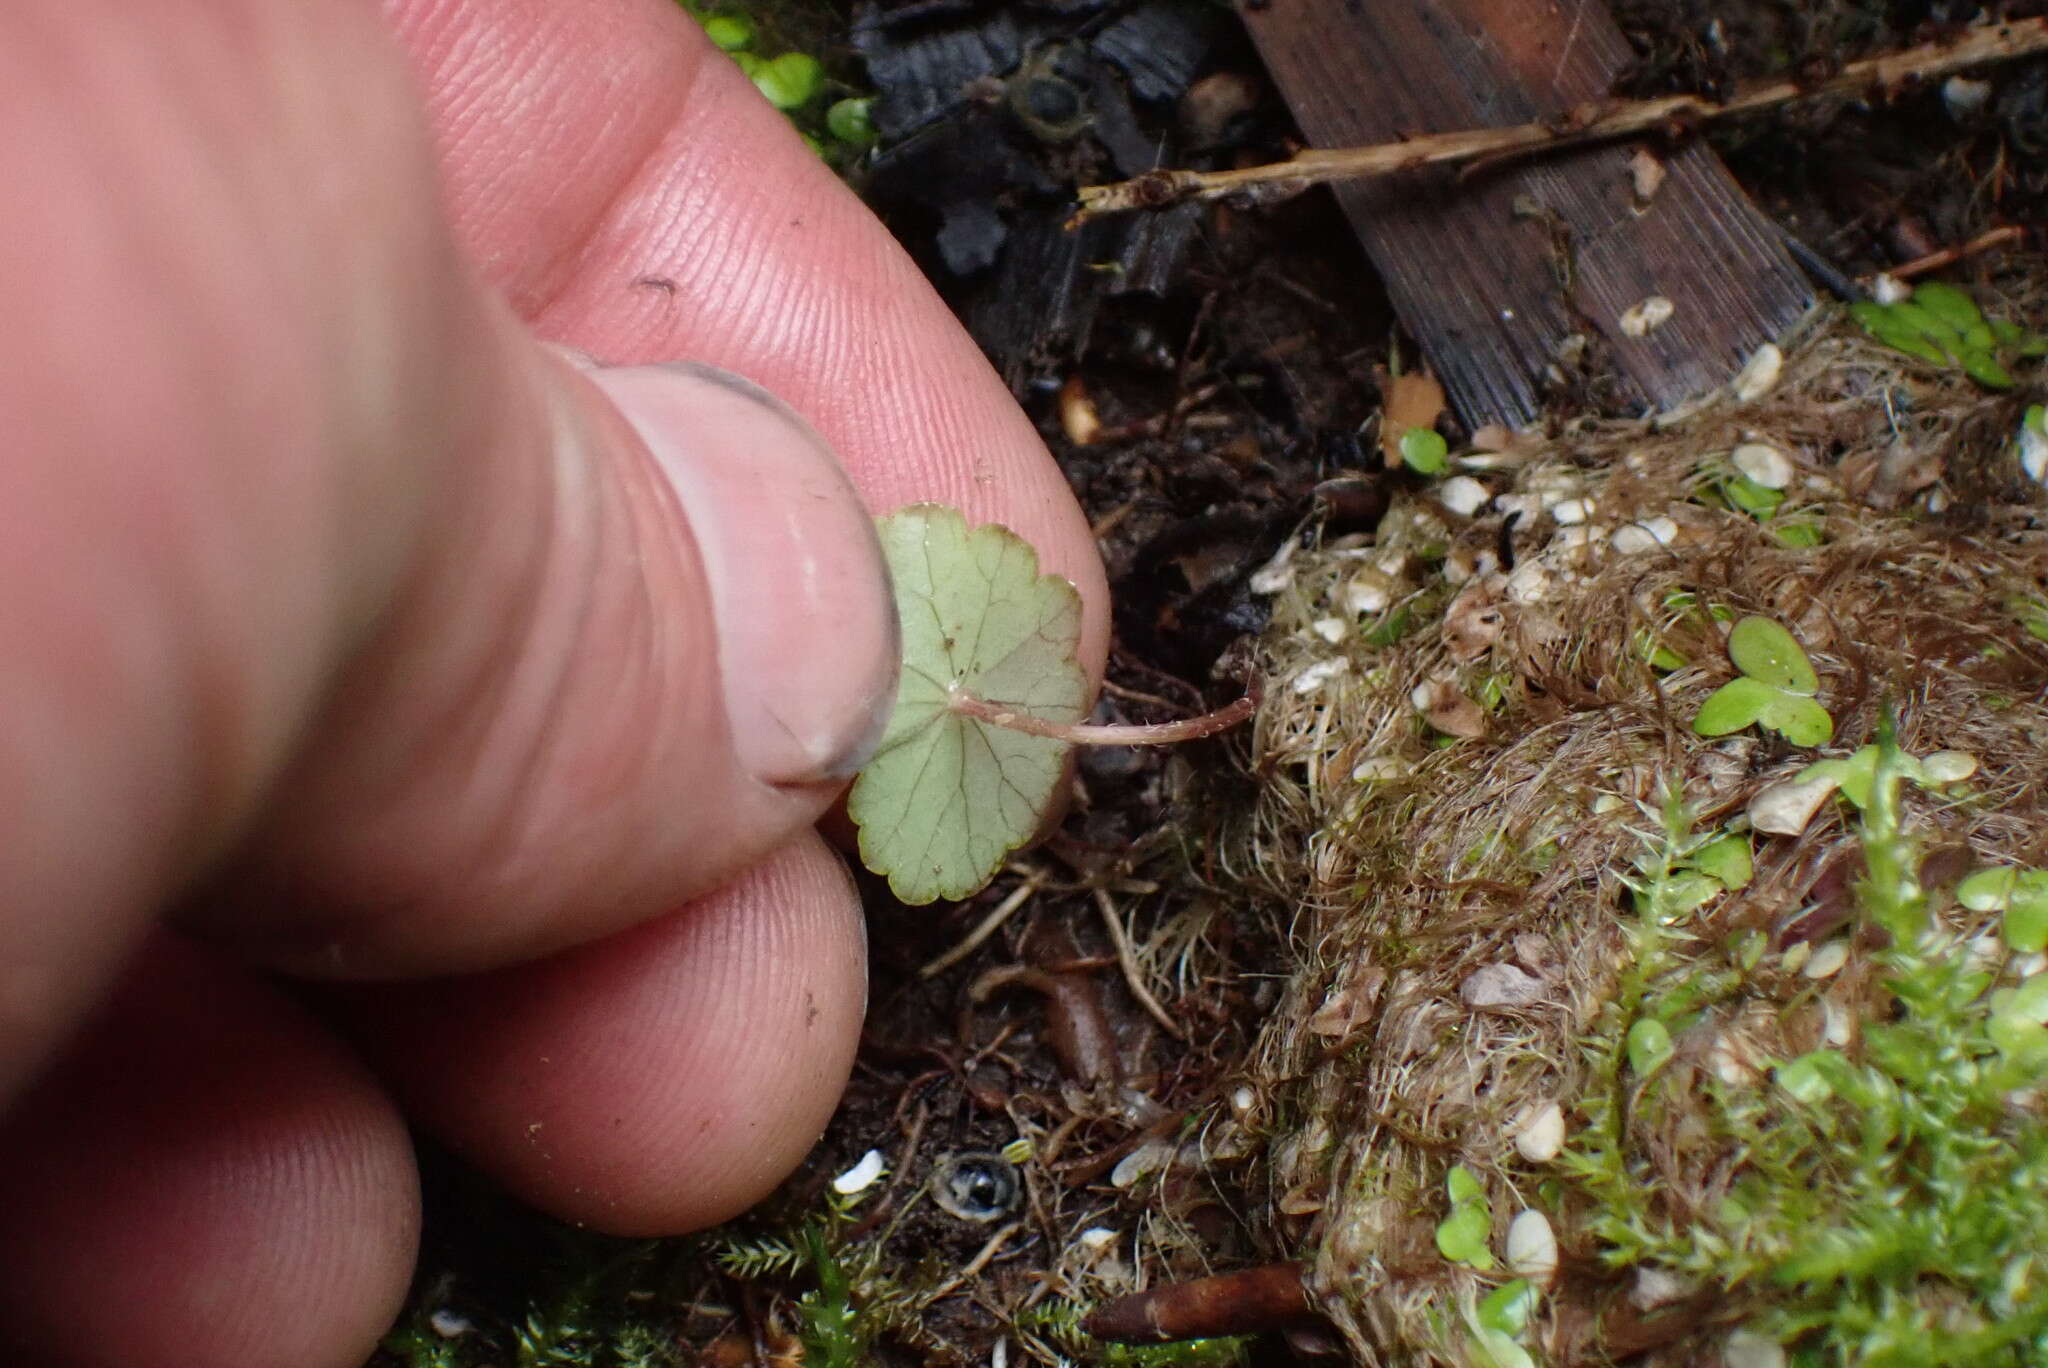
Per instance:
x=2033, y=454
x=1632, y=539
x=450, y=1324
x=1646, y=316
x=1532, y=1247
x=1096, y=1237
x=1330, y=629
x=1540, y=1138
x=1655, y=1287
x=1277, y=573
x=1463, y=495
x=1528, y=505
x=1377, y=769
x=1889, y=289
x=1759, y=375
x=1964, y=96
x=1367, y=592
x=1827, y=961
x=1748, y=1349
x=1569, y=511
x=1764, y=464
x=861, y=1176
x=1784, y=809
x=1837, y=1026
x=1322, y=672
x=1531, y=583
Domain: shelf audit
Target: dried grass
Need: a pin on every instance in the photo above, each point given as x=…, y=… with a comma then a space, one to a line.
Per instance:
x=1407, y=864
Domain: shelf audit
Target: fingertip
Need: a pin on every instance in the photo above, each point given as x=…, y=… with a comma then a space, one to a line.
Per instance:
x=657, y=1082
x=205, y=1177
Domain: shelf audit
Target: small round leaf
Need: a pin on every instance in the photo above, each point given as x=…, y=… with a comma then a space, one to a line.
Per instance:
x=1649, y=1046
x=1798, y=719
x=1424, y=451
x=948, y=797
x=1765, y=651
x=1733, y=706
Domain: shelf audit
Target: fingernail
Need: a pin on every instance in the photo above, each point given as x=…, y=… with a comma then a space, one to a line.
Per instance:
x=807, y=630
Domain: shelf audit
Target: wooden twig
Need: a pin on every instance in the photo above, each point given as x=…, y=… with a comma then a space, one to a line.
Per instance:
x=1949, y=256
x=1127, y=960
x=987, y=926
x=1593, y=121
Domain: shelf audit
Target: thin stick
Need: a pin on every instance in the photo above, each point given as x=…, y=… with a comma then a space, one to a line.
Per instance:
x=1128, y=962
x=1949, y=256
x=1593, y=121
x=981, y=1260
x=987, y=926
x=1104, y=734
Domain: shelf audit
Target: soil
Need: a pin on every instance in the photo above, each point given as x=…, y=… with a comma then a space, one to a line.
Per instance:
x=1205, y=422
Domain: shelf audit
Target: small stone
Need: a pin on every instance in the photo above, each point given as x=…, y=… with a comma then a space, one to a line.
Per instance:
x=1532, y=582
x=1540, y=1138
x=1827, y=960
x=1532, y=1247
x=1570, y=511
x=1632, y=539
x=1646, y=316
x=1313, y=677
x=1096, y=1238
x=1748, y=1349
x=1964, y=96
x=1494, y=987
x=450, y=1324
x=1764, y=464
x=1784, y=809
x=861, y=1176
x=1463, y=495
x=1889, y=289
x=2033, y=454
x=1655, y=1287
x=1368, y=592
x=1759, y=375
x=1330, y=629
x=1277, y=573
x=1377, y=769
x=1837, y=1024
x=1527, y=505
x=1645, y=176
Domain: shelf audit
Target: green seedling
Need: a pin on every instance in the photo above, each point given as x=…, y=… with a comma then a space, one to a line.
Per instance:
x=729, y=32
x=1497, y=1323
x=2022, y=894
x=1424, y=451
x=1775, y=689
x=852, y=121
x=1462, y=1236
x=1942, y=325
x=790, y=81
x=988, y=708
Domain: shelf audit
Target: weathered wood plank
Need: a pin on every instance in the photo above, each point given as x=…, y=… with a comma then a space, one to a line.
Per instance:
x=1487, y=290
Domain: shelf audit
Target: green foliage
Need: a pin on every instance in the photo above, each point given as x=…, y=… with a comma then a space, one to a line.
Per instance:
x=1462, y=1236
x=1775, y=689
x=795, y=82
x=1941, y=324
x=1054, y=1327
x=1424, y=451
x=947, y=796
x=1890, y=1199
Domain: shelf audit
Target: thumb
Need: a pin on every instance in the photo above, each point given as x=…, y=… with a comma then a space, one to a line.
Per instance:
x=654, y=638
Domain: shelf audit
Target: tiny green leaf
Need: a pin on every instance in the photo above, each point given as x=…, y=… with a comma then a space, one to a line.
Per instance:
x=1733, y=706
x=1798, y=719
x=729, y=32
x=1649, y=1046
x=852, y=121
x=1953, y=307
x=1987, y=888
x=789, y=81
x=1461, y=1237
x=1508, y=1307
x=1797, y=533
x=1759, y=501
x=1806, y=1079
x=1424, y=451
x=2026, y=916
x=947, y=797
x=1764, y=650
x=1462, y=1186
x=1726, y=860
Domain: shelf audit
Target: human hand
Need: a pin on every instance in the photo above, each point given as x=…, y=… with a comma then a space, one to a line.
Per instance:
x=388, y=646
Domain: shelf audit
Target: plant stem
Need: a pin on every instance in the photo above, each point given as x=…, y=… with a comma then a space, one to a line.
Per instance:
x=1594, y=121
x=965, y=704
